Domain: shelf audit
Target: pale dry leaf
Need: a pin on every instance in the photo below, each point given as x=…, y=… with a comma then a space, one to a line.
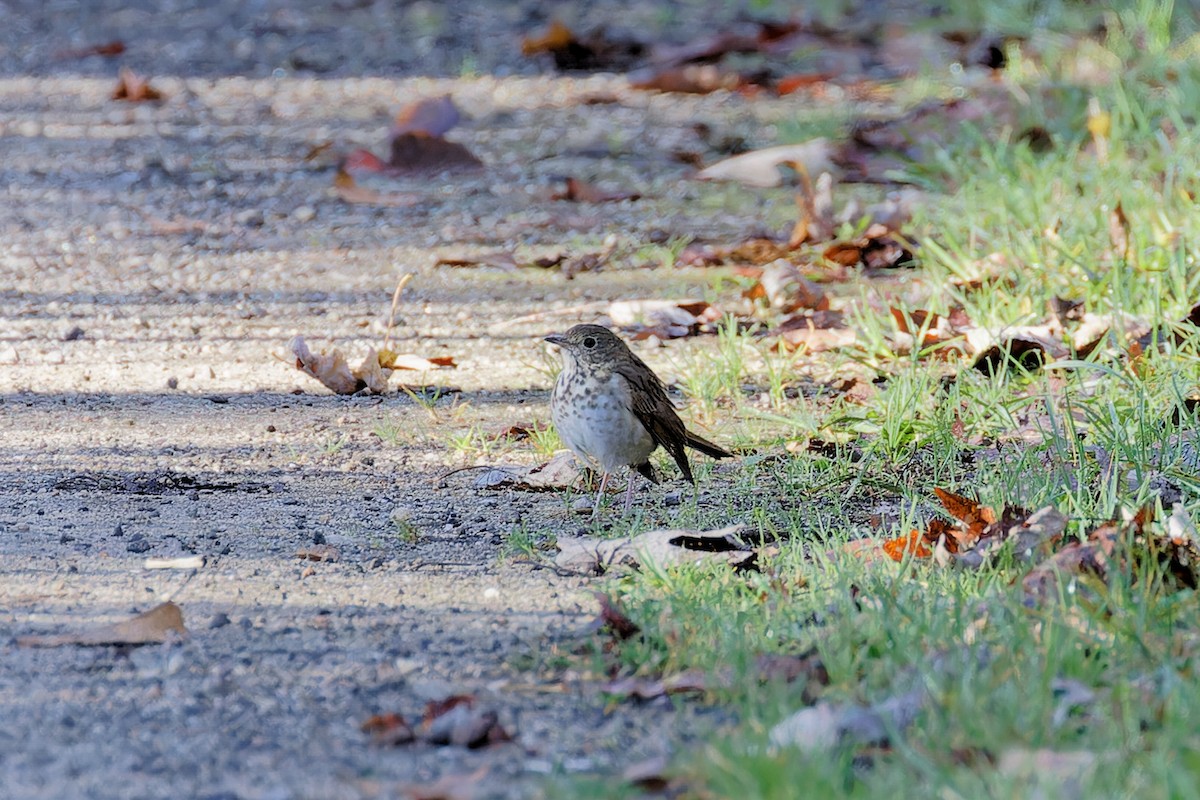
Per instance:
x=330, y=369
x=760, y=168
x=657, y=549
x=159, y=624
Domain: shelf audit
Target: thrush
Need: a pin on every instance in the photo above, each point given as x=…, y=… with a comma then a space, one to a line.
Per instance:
x=612, y=411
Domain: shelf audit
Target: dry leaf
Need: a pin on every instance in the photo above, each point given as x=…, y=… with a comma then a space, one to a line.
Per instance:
x=159, y=624
x=429, y=117
x=687, y=79
x=389, y=360
x=657, y=549
x=500, y=259
x=560, y=472
x=760, y=168
x=319, y=552
x=613, y=619
x=134, y=88
x=787, y=290
x=388, y=730
x=580, y=192
x=348, y=191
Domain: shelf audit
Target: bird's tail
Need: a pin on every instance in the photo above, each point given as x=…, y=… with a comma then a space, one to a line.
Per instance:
x=705, y=446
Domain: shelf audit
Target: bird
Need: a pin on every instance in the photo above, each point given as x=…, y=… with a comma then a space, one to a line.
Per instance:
x=612, y=411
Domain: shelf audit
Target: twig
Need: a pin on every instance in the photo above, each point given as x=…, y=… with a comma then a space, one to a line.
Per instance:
x=387, y=336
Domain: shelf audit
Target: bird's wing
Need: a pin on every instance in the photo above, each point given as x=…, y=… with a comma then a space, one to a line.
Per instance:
x=652, y=407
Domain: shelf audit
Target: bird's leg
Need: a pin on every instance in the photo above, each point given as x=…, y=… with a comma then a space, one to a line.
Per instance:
x=633, y=476
x=599, y=494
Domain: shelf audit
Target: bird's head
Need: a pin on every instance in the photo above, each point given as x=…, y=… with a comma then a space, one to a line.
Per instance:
x=588, y=344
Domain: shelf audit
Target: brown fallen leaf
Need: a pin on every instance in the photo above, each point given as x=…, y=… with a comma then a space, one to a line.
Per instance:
x=159, y=624
x=319, y=552
x=388, y=730
x=614, y=619
x=686, y=79
x=134, y=88
x=581, y=192
x=108, y=49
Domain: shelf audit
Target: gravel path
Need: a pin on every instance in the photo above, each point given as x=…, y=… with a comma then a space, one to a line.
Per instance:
x=155, y=261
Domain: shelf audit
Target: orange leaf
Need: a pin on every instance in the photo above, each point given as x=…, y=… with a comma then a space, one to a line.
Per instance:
x=974, y=516
x=911, y=544
x=556, y=37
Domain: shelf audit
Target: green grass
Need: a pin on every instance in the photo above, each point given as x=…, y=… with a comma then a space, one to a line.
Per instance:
x=1105, y=674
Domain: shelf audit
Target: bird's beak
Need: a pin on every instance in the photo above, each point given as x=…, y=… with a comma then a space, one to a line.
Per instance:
x=556, y=338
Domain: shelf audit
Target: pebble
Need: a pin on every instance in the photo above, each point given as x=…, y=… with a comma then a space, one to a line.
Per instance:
x=582, y=505
x=304, y=214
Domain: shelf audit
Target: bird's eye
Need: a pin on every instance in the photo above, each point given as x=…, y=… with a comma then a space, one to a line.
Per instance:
x=589, y=342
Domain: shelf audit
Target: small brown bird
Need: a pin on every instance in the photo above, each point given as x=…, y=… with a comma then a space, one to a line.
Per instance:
x=613, y=411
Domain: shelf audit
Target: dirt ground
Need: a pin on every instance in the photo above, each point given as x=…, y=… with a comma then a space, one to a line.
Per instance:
x=155, y=261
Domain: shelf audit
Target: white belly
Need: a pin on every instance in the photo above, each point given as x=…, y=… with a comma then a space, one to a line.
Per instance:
x=603, y=428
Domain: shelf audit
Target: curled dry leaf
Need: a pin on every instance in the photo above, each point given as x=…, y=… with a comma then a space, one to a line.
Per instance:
x=785, y=289
x=371, y=375
x=333, y=371
x=134, y=88
x=159, y=624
